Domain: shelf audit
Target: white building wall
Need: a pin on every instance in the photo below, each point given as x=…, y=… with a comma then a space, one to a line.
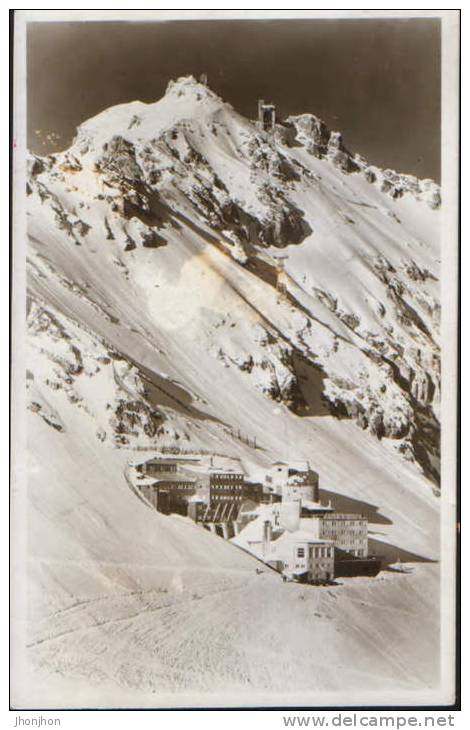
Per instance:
x=317, y=559
x=296, y=492
x=289, y=515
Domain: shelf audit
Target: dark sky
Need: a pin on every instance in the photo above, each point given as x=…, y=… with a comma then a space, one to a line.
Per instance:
x=376, y=81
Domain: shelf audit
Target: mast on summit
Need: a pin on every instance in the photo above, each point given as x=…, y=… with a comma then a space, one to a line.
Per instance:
x=266, y=116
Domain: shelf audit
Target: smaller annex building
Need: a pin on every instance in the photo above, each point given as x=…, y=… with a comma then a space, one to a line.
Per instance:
x=300, y=556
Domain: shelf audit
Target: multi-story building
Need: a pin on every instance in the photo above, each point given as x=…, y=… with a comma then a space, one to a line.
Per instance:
x=214, y=485
x=180, y=485
x=293, y=481
x=201, y=511
x=301, y=556
x=154, y=467
x=253, y=491
x=226, y=487
x=147, y=489
x=169, y=464
x=333, y=543
x=347, y=531
x=225, y=496
x=170, y=493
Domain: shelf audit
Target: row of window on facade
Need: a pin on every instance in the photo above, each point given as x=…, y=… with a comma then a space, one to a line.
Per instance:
x=161, y=467
x=316, y=552
x=174, y=485
x=229, y=477
x=340, y=524
x=224, y=486
x=227, y=498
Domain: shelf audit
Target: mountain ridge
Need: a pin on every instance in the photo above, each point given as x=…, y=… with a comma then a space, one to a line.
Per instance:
x=212, y=287
x=167, y=181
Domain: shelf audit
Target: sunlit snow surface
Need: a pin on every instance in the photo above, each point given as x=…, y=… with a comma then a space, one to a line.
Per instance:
x=154, y=320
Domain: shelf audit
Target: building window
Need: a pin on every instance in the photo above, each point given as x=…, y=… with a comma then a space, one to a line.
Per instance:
x=301, y=552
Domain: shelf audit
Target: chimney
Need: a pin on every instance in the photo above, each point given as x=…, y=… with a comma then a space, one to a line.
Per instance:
x=267, y=534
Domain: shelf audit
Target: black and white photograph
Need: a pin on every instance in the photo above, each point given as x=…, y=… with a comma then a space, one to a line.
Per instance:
x=234, y=380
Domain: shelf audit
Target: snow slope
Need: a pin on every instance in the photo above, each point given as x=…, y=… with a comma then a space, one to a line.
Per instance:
x=154, y=320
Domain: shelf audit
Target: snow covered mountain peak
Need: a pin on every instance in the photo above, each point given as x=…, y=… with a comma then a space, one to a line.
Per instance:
x=190, y=116
x=196, y=284
x=185, y=100
x=307, y=274
x=190, y=87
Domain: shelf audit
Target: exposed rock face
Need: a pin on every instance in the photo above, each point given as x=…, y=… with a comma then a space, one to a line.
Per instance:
x=76, y=364
x=312, y=133
x=309, y=131
x=119, y=159
x=132, y=417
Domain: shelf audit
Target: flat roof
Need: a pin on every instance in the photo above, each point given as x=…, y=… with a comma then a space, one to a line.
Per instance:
x=178, y=477
x=346, y=516
x=311, y=505
x=303, y=536
x=169, y=459
x=298, y=464
x=144, y=482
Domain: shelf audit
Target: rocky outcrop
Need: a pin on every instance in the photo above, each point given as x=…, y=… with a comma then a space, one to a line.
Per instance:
x=133, y=418
x=308, y=131
x=70, y=356
x=312, y=133
x=119, y=160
